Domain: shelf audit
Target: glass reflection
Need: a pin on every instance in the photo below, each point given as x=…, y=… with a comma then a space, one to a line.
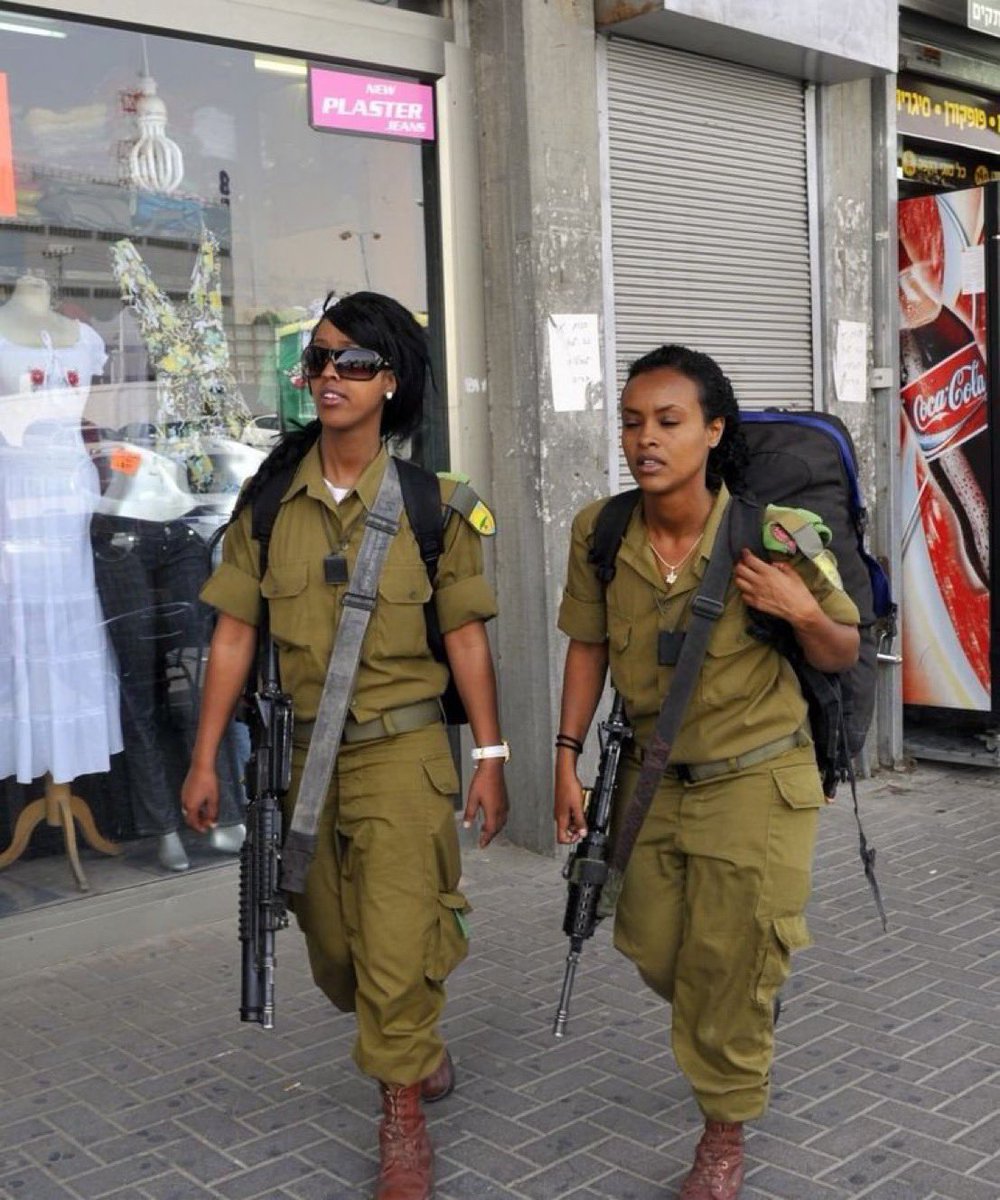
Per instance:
x=150, y=328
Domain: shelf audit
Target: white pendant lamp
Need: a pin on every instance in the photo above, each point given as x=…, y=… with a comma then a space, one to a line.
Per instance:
x=155, y=162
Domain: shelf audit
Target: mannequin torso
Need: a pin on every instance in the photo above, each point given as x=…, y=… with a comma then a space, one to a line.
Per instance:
x=27, y=316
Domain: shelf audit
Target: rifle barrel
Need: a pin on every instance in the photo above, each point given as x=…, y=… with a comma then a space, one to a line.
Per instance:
x=562, y=1013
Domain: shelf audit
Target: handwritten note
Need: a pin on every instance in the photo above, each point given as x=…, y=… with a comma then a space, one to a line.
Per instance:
x=575, y=362
x=850, y=362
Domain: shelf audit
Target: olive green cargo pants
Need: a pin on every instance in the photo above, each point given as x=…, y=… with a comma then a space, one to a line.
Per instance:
x=710, y=912
x=381, y=912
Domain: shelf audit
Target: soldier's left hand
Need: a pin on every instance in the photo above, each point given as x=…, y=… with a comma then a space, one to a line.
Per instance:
x=488, y=797
x=774, y=588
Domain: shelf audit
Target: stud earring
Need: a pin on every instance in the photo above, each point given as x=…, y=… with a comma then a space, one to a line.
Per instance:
x=389, y=396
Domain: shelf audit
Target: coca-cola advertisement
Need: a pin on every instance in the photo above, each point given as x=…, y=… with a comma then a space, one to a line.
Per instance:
x=946, y=430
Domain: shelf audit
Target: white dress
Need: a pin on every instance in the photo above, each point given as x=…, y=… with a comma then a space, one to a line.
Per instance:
x=59, y=704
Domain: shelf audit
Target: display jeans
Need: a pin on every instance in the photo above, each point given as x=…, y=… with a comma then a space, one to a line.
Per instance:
x=149, y=575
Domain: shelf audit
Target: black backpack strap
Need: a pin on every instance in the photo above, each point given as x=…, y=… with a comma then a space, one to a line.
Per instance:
x=264, y=510
x=422, y=501
x=609, y=529
x=426, y=513
x=866, y=851
x=263, y=514
x=746, y=529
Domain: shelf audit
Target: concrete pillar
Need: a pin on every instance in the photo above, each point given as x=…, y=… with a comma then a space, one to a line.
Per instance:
x=541, y=219
x=857, y=248
x=887, y=527
x=845, y=224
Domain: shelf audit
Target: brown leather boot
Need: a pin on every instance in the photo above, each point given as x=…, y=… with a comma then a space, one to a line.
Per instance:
x=440, y=1082
x=407, y=1158
x=717, y=1173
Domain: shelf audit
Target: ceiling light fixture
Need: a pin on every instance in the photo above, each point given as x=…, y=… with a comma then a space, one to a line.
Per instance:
x=280, y=66
x=37, y=30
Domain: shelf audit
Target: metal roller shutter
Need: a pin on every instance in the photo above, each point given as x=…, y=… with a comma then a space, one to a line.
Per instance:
x=710, y=218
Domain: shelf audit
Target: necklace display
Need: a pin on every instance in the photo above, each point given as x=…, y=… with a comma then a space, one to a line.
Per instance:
x=670, y=575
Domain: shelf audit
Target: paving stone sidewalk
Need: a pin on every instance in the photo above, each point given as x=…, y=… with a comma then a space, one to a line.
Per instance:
x=128, y=1075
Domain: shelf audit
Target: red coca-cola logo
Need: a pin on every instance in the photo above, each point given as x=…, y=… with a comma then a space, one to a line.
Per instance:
x=942, y=398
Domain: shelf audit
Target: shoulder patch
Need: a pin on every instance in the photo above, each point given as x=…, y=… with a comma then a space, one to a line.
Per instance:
x=467, y=504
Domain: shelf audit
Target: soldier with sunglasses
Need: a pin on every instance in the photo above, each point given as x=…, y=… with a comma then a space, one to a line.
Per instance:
x=382, y=915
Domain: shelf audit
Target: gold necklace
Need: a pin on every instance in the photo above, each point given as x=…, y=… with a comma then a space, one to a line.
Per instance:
x=670, y=575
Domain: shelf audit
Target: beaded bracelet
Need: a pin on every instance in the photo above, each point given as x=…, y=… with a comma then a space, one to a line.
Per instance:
x=569, y=743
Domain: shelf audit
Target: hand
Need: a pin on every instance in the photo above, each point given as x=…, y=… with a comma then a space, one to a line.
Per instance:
x=571, y=823
x=200, y=799
x=487, y=795
x=774, y=588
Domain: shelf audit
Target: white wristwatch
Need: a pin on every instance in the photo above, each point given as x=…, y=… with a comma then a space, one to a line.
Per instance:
x=481, y=752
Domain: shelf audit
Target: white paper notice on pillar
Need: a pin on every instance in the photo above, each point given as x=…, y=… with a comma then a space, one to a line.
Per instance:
x=850, y=362
x=575, y=362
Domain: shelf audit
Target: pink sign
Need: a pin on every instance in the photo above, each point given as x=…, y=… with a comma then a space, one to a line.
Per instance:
x=371, y=104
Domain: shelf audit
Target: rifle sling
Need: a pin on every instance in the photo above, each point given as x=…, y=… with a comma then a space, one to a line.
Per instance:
x=706, y=608
x=381, y=525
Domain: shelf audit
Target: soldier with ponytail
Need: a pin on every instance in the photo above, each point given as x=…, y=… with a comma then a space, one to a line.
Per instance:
x=382, y=915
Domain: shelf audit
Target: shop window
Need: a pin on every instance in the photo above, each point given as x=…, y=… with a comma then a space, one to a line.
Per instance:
x=170, y=223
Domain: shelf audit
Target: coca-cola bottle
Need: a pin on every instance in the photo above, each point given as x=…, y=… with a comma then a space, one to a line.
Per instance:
x=943, y=392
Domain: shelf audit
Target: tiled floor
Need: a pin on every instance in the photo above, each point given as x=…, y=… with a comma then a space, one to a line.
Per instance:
x=128, y=1075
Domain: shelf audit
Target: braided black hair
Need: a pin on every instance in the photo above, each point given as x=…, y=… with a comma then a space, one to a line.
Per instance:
x=375, y=322
x=727, y=462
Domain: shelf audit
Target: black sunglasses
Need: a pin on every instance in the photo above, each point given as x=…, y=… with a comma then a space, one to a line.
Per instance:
x=350, y=363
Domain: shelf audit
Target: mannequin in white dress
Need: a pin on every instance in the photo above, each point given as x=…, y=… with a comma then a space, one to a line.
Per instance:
x=59, y=704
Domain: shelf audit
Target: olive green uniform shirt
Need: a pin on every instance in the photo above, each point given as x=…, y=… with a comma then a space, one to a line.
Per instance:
x=747, y=694
x=397, y=667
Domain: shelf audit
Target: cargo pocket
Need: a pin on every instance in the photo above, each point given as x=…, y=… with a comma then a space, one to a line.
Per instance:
x=440, y=771
x=282, y=587
x=449, y=936
x=781, y=940
x=400, y=628
x=799, y=785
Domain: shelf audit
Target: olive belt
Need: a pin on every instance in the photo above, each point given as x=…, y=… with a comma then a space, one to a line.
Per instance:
x=397, y=720
x=699, y=772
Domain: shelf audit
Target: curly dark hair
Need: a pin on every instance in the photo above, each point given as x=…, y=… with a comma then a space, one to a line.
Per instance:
x=727, y=462
x=375, y=322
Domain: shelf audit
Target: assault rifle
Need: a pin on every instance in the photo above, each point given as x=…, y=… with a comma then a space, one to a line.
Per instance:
x=587, y=868
x=268, y=776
